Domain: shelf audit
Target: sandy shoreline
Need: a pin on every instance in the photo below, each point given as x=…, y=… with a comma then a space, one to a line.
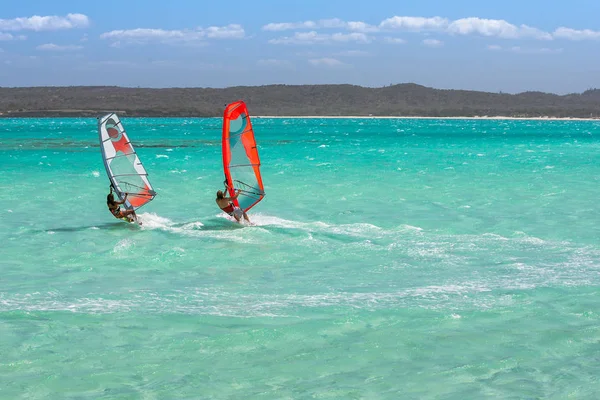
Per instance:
x=412, y=117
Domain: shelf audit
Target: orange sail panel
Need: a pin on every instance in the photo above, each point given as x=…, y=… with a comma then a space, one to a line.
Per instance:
x=240, y=157
x=123, y=166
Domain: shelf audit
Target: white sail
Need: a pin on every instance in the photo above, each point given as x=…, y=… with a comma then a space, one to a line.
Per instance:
x=123, y=166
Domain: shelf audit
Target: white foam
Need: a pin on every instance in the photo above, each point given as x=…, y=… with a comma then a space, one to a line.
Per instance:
x=193, y=225
x=154, y=221
x=266, y=220
x=162, y=156
x=96, y=174
x=410, y=228
x=123, y=245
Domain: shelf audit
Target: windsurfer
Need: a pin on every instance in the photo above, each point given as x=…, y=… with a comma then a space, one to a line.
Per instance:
x=113, y=207
x=226, y=204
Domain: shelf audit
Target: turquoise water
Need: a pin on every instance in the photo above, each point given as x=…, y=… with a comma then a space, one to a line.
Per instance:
x=389, y=259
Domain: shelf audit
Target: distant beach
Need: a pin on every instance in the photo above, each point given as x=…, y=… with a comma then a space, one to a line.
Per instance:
x=303, y=101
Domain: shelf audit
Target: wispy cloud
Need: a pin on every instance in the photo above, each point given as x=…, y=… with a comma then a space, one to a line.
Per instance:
x=538, y=50
x=274, y=63
x=56, y=47
x=145, y=36
x=231, y=31
x=352, y=53
x=433, y=43
x=47, y=23
x=8, y=36
x=313, y=37
x=326, y=62
x=497, y=28
x=393, y=40
x=415, y=24
x=333, y=23
x=288, y=26
x=574, y=34
x=525, y=50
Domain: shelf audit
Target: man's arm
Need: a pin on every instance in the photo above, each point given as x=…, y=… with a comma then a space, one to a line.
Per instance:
x=235, y=196
x=122, y=201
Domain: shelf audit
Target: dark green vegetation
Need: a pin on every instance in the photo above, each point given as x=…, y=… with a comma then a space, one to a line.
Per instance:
x=303, y=100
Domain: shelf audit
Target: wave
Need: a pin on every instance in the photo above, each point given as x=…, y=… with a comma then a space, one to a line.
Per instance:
x=215, y=301
x=412, y=237
x=217, y=228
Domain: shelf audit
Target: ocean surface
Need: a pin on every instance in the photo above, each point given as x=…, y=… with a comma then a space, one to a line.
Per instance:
x=390, y=259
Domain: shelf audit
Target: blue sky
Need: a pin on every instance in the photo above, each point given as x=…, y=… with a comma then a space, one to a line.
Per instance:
x=509, y=45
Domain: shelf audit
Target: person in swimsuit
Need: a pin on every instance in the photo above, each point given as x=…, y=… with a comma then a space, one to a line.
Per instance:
x=226, y=204
x=113, y=207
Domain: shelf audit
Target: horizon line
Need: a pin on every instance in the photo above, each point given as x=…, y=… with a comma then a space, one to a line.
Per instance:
x=296, y=85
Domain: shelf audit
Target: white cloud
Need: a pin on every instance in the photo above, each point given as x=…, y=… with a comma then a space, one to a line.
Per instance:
x=333, y=23
x=574, y=34
x=289, y=26
x=414, y=23
x=396, y=22
x=358, y=26
x=326, y=62
x=231, y=31
x=352, y=53
x=433, y=43
x=274, y=63
x=144, y=35
x=495, y=27
x=8, y=36
x=393, y=40
x=48, y=23
x=56, y=47
x=525, y=50
x=464, y=26
x=313, y=37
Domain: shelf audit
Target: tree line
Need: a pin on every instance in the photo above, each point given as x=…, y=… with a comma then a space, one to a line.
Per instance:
x=292, y=100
